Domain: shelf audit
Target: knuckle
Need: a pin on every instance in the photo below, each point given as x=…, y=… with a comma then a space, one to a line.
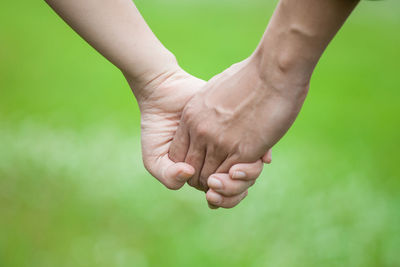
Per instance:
x=173, y=155
x=229, y=141
x=195, y=160
x=246, y=153
x=202, y=130
x=188, y=113
x=224, y=144
x=232, y=159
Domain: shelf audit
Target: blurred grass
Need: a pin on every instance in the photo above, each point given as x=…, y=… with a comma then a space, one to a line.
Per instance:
x=73, y=191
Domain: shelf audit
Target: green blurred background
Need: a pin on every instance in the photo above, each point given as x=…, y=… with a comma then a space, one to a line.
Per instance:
x=73, y=191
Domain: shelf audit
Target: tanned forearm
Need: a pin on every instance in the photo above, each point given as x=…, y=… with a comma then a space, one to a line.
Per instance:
x=297, y=35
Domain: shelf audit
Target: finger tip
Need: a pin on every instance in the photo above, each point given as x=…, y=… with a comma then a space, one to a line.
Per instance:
x=189, y=169
x=267, y=160
x=179, y=172
x=214, y=182
x=269, y=157
x=213, y=197
x=185, y=168
x=213, y=207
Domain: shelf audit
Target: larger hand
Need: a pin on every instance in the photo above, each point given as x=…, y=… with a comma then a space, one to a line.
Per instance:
x=161, y=105
x=237, y=117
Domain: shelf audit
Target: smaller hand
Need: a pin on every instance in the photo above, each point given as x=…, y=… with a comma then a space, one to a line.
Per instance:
x=228, y=190
x=161, y=103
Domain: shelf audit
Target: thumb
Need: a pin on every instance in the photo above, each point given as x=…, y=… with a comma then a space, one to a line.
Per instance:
x=172, y=175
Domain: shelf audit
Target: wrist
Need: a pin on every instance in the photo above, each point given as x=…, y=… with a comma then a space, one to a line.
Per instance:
x=290, y=47
x=296, y=37
x=284, y=75
x=144, y=81
x=286, y=56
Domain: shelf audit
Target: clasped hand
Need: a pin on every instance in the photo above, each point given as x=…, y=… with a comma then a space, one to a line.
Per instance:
x=213, y=135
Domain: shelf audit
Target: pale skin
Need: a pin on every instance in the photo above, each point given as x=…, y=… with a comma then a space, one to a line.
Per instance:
x=234, y=118
x=242, y=112
x=116, y=29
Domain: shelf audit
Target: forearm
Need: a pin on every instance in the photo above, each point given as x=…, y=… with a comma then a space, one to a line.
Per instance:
x=116, y=29
x=297, y=35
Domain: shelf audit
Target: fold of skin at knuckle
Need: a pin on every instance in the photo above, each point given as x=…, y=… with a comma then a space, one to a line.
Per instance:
x=189, y=112
x=230, y=160
x=201, y=131
x=225, y=144
x=172, y=154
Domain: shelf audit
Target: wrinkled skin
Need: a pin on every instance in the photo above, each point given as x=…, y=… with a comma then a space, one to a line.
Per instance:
x=161, y=111
x=236, y=117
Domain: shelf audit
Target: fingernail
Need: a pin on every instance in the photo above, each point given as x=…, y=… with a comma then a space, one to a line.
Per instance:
x=214, y=183
x=213, y=197
x=239, y=175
